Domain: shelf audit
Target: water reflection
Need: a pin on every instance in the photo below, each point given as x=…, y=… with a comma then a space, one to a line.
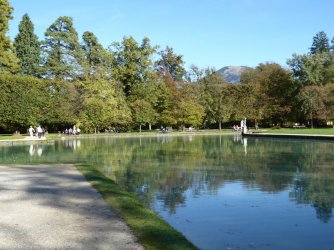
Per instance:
x=35, y=149
x=72, y=143
x=203, y=165
x=244, y=142
x=229, y=184
x=319, y=193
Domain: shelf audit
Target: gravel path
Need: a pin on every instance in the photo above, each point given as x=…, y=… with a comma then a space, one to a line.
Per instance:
x=54, y=207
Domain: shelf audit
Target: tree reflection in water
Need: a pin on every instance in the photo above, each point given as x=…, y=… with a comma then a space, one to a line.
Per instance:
x=165, y=168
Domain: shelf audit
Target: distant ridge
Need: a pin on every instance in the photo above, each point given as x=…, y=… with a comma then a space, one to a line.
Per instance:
x=232, y=74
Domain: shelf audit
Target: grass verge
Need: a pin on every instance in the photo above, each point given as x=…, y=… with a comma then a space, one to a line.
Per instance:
x=11, y=137
x=55, y=136
x=151, y=231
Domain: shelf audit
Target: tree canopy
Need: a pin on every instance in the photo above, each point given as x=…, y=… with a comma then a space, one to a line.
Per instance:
x=62, y=49
x=28, y=48
x=8, y=59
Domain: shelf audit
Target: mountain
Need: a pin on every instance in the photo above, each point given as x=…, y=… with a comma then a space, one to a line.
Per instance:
x=232, y=74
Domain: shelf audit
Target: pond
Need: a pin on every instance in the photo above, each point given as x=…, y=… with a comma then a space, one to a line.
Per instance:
x=221, y=192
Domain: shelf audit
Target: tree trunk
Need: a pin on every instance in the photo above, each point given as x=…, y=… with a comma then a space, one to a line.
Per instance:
x=150, y=126
x=140, y=128
x=311, y=119
x=95, y=130
x=256, y=125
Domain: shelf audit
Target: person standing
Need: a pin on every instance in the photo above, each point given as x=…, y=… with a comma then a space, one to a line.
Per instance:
x=39, y=131
x=31, y=131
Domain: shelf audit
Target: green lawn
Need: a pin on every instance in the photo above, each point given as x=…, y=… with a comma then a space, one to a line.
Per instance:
x=307, y=131
x=315, y=131
x=11, y=137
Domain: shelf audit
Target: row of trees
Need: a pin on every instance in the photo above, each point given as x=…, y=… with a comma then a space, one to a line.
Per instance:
x=61, y=81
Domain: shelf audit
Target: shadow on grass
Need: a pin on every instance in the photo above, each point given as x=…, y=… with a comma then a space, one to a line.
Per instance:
x=151, y=231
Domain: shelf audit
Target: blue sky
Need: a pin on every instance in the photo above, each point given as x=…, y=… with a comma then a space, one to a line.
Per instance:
x=208, y=33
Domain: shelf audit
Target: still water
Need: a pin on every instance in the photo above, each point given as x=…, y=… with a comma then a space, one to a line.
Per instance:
x=221, y=192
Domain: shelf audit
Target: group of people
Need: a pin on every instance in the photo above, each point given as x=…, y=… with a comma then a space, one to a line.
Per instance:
x=113, y=130
x=38, y=131
x=164, y=130
x=242, y=128
x=72, y=131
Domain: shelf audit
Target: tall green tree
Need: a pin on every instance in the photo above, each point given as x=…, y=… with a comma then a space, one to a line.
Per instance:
x=276, y=91
x=156, y=94
x=329, y=90
x=8, y=59
x=215, y=98
x=28, y=48
x=132, y=62
x=97, y=61
x=142, y=112
x=320, y=43
x=312, y=100
x=62, y=50
x=188, y=109
x=170, y=64
x=63, y=104
x=315, y=69
x=104, y=106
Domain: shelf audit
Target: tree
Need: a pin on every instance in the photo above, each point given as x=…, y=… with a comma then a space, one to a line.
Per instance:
x=28, y=48
x=143, y=112
x=278, y=88
x=215, y=98
x=97, y=60
x=132, y=62
x=156, y=94
x=170, y=64
x=62, y=49
x=103, y=105
x=248, y=76
x=195, y=74
x=8, y=59
x=62, y=104
x=315, y=69
x=329, y=101
x=312, y=100
x=188, y=110
x=320, y=43
x=23, y=101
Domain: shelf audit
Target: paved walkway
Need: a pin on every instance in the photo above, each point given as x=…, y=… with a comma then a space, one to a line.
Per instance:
x=54, y=207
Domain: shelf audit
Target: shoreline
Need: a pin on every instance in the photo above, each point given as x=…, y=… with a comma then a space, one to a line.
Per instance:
x=226, y=132
x=289, y=136
x=56, y=137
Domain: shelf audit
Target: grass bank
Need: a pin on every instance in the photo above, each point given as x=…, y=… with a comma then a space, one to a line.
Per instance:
x=151, y=231
x=55, y=136
x=306, y=131
x=11, y=137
